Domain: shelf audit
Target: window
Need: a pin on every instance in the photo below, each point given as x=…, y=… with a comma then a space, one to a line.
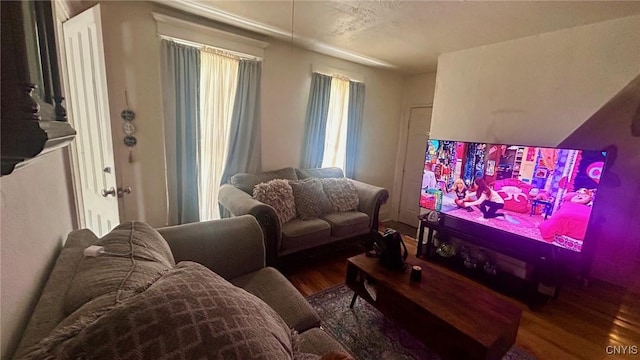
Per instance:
x=218, y=82
x=335, y=144
x=334, y=117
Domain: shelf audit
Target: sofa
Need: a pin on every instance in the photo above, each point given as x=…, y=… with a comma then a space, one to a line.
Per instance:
x=294, y=234
x=191, y=291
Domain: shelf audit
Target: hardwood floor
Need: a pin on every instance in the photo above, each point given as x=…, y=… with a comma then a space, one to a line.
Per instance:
x=579, y=324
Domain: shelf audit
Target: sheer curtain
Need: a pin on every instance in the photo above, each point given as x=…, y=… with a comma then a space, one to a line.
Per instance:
x=180, y=77
x=316, y=121
x=218, y=80
x=335, y=144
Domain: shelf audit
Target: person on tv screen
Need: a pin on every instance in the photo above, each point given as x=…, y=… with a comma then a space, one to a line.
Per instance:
x=460, y=190
x=489, y=201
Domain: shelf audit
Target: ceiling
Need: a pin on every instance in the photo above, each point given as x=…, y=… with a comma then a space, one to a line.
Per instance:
x=404, y=35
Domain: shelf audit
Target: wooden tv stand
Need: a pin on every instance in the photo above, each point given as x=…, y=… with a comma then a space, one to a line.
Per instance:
x=535, y=289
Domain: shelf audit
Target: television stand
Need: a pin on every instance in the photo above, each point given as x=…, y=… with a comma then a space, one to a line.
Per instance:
x=538, y=285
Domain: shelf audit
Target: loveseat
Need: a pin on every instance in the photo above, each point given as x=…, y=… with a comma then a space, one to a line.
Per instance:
x=129, y=299
x=287, y=236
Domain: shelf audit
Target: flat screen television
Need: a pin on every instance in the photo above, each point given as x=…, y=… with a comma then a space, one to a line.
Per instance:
x=536, y=193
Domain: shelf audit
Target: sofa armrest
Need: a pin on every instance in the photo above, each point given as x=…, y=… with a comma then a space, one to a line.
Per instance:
x=238, y=203
x=371, y=198
x=230, y=247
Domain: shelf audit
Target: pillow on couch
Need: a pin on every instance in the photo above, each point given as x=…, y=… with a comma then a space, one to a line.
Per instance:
x=342, y=194
x=310, y=199
x=135, y=255
x=279, y=195
x=189, y=313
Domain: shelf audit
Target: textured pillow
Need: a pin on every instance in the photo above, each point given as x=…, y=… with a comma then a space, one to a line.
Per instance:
x=310, y=199
x=136, y=254
x=342, y=194
x=279, y=195
x=189, y=313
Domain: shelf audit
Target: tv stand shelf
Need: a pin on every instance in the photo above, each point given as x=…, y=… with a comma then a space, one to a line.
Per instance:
x=541, y=261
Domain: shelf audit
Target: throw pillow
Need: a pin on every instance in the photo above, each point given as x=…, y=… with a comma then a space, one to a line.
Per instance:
x=279, y=195
x=342, y=194
x=135, y=254
x=310, y=199
x=189, y=313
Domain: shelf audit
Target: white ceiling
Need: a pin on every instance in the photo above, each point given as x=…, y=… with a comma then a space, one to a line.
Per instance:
x=405, y=35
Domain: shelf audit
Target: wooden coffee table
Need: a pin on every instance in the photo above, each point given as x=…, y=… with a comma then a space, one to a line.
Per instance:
x=454, y=316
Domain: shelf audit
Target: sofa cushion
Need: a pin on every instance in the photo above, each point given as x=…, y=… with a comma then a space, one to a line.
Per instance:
x=246, y=182
x=300, y=234
x=50, y=309
x=135, y=254
x=328, y=172
x=190, y=313
x=310, y=199
x=342, y=194
x=347, y=223
x=278, y=194
x=274, y=289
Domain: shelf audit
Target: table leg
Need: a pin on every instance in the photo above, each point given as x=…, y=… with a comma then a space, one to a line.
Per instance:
x=420, y=239
x=353, y=300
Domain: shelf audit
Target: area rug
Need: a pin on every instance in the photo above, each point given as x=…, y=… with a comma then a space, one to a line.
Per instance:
x=368, y=335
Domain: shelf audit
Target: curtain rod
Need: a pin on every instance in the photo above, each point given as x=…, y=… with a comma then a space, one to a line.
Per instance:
x=204, y=47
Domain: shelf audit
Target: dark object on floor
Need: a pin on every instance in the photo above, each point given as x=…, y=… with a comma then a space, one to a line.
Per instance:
x=391, y=249
x=369, y=335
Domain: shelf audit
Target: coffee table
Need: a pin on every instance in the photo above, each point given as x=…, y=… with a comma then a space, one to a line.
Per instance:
x=451, y=314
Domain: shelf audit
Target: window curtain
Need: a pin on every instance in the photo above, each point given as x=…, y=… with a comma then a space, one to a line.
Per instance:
x=356, y=111
x=335, y=143
x=218, y=80
x=181, y=82
x=244, y=146
x=316, y=121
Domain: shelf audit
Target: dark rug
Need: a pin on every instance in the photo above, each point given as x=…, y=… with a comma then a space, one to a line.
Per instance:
x=367, y=334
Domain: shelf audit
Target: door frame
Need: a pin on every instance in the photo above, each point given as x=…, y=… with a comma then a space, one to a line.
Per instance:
x=401, y=156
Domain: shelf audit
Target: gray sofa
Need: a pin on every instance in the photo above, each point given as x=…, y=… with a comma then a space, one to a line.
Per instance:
x=286, y=238
x=70, y=313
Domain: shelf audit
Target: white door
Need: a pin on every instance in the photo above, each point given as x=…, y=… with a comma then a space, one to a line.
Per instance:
x=416, y=144
x=88, y=106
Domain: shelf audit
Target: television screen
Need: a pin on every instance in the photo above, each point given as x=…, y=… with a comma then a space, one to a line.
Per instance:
x=544, y=194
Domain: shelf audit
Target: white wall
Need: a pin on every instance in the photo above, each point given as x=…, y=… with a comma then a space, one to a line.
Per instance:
x=132, y=51
x=417, y=91
x=35, y=217
x=539, y=90
x=535, y=90
x=132, y=48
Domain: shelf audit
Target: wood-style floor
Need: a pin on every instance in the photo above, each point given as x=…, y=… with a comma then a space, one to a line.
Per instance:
x=579, y=324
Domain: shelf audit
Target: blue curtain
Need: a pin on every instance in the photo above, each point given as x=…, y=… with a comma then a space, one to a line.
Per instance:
x=244, y=148
x=181, y=78
x=354, y=124
x=316, y=122
x=244, y=154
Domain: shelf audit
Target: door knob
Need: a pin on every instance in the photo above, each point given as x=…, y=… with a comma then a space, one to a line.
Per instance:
x=125, y=190
x=105, y=192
